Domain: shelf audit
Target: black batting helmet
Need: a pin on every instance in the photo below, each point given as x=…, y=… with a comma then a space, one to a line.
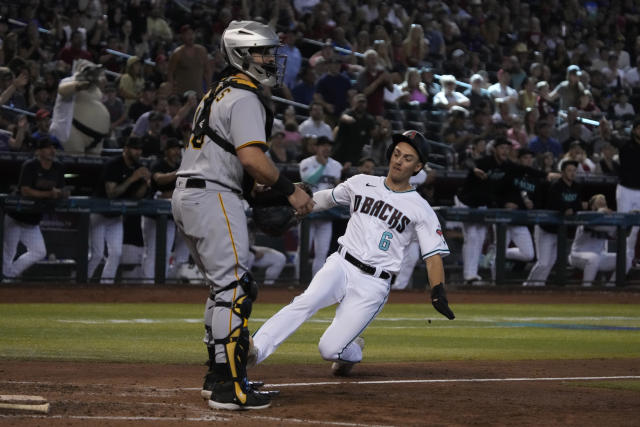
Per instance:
x=414, y=139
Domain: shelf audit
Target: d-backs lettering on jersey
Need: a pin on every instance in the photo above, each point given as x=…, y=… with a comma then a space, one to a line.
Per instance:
x=384, y=222
x=381, y=210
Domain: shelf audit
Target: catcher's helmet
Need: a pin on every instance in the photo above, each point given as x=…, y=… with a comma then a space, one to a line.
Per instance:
x=414, y=139
x=243, y=37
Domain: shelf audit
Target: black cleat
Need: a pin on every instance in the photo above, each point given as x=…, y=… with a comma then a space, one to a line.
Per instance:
x=225, y=396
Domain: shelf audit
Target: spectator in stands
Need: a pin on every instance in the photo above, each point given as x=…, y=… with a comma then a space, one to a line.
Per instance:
x=543, y=142
x=613, y=76
x=516, y=133
x=572, y=129
x=564, y=196
x=158, y=29
x=41, y=98
x=502, y=92
x=477, y=95
x=189, y=68
x=115, y=106
x=294, y=57
x=589, y=247
x=304, y=92
x=278, y=151
x=608, y=165
x=427, y=76
x=75, y=50
x=43, y=122
x=123, y=178
x=41, y=178
x=366, y=166
x=414, y=88
x=334, y=88
x=355, y=128
x=371, y=82
x=455, y=132
x=527, y=97
x=385, y=57
x=568, y=91
x=315, y=124
x=131, y=82
x=448, y=97
x=163, y=182
x=544, y=101
x=577, y=153
x=11, y=92
x=145, y=101
x=151, y=141
x=622, y=109
x=632, y=75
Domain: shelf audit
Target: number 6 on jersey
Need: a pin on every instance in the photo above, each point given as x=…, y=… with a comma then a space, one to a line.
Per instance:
x=385, y=241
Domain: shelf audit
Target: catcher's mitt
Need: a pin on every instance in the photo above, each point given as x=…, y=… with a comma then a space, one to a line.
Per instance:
x=272, y=213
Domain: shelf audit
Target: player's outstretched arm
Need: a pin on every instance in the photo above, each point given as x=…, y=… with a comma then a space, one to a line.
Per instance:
x=323, y=200
x=435, y=272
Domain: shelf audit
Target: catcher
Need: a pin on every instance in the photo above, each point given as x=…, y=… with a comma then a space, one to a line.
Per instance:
x=222, y=162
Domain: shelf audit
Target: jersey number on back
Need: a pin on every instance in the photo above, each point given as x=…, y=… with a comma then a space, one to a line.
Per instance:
x=385, y=241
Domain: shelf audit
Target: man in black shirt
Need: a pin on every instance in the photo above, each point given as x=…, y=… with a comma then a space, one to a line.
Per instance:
x=123, y=178
x=40, y=178
x=355, y=128
x=163, y=182
x=564, y=196
x=482, y=188
x=628, y=189
x=524, y=185
x=151, y=141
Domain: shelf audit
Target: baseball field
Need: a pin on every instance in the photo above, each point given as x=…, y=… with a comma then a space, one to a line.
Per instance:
x=132, y=355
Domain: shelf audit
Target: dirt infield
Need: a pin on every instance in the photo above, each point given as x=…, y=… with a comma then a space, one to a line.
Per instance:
x=550, y=393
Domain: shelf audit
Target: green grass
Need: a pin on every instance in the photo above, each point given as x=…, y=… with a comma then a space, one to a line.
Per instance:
x=172, y=333
x=612, y=385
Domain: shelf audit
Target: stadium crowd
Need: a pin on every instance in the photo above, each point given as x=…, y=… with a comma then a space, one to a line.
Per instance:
x=549, y=86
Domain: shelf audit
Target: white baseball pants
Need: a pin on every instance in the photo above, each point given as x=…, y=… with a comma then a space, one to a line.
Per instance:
x=320, y=237
x=521, y=237
x=272, y=260
x=547, y=252
x=628, y=199
x=109, y=230
x=590, y=263
x=474, y=235
x=181, y=252
x=361, y=298
x=31, y=237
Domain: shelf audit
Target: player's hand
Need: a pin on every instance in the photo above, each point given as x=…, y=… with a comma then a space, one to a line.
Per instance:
x=439, y=301
x=528, y=204
x=141, y=173
x=56, y=193
x=510, y=205
x=480, y=173
x=301, y=201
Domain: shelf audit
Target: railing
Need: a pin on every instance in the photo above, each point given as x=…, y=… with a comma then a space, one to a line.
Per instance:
x=502, y=218
x=161, y=209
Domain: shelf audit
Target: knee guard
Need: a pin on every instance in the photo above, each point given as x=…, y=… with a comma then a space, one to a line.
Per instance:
x=236, y=344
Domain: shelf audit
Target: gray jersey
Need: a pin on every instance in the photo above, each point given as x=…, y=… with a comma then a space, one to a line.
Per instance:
x=238, y=116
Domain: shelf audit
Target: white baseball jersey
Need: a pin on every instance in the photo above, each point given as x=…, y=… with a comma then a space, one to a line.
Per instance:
x=383, y=222
x=239, y=120
x=592, y=239
x=319, y=176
